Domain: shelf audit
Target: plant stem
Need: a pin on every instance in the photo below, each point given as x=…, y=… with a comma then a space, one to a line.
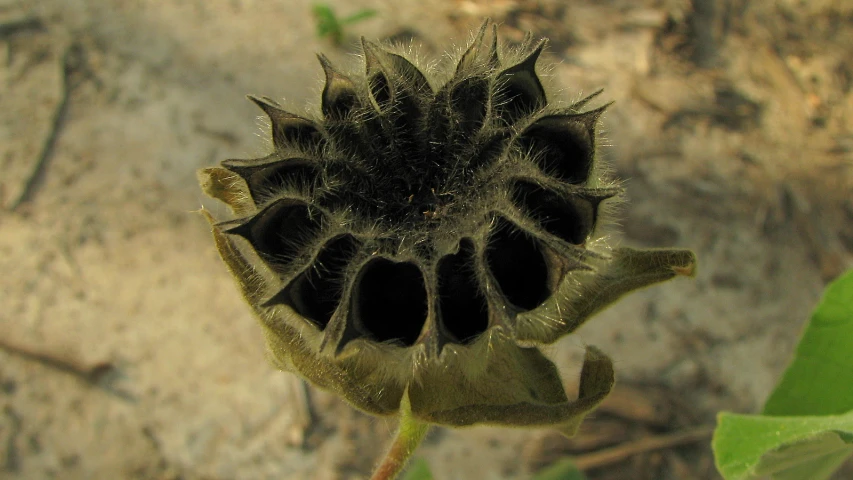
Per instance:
x=409, y=435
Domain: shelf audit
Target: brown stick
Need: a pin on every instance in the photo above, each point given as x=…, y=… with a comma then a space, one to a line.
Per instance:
x=643, y=405
x=645, y=444
x=69, y=61
x=18, y=25
x=90, y=372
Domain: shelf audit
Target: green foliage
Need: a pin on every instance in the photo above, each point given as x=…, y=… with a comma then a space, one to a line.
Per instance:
x=331, y=26
x=749, y=446
x=806, y=430
x=418, y=470
x=819, y=380
x=564, y=469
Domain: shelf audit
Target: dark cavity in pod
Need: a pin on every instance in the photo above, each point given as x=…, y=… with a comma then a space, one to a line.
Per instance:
x=389, y=301
x=463, y=309
x=517, y=264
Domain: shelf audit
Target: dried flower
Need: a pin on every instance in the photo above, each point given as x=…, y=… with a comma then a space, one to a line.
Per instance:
x=427, y=233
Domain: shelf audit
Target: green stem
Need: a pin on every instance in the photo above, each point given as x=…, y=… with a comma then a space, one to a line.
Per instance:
x=409, y=435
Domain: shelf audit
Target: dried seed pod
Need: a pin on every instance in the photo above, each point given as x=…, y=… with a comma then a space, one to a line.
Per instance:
x=424, y=239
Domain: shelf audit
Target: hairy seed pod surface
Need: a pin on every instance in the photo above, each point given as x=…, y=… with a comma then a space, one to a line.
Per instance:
x=427, y=231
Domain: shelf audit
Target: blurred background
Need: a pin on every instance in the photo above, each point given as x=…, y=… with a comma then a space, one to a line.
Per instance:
x=126, y=351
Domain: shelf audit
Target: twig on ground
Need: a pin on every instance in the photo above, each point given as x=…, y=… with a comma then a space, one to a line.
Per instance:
x=91, y=372
x=18, y=25
x=643, y=405
x=70, y=61
x=12, y=429
x=312, y=418
x=643, y=445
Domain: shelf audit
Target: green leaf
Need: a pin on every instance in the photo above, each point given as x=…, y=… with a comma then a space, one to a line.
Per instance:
x=807, y=427
x=564, y=469
x=418, y=470
x=359, y=16
x=816, y=458
x=327, y=22
x=789, y=448
x=819, y=380
x=324, y=13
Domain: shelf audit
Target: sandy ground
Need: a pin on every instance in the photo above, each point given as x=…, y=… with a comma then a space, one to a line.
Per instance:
x=127, y=352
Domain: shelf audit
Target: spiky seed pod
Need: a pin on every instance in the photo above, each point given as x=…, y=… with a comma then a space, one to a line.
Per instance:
x=425, y=237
